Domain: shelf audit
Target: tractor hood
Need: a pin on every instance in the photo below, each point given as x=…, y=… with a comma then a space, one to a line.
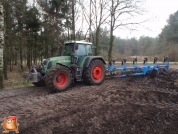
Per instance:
x=51, y=62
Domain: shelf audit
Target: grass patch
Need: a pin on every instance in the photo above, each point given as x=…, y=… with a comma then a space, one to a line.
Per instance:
x=16, y=80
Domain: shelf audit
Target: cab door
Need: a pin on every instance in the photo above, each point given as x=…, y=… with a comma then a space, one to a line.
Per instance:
x=81, y=53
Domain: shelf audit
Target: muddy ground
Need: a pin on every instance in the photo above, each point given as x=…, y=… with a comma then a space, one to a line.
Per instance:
x=133, y=105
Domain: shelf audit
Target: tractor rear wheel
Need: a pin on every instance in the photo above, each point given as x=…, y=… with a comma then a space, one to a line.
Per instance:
x=59, y=78
x=95, y=73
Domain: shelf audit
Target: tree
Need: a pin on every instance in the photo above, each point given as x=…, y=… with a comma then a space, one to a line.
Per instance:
x=1, y=43
x=57, y=18
x=100, y=16
x=14, y=38
x=169, y=37
x=95, y=17
x=15, y=29
x=170, y=31
x=32, y=25
x=121, y=13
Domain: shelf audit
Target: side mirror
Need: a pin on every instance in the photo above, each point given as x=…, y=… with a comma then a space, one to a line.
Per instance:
x=76, y=46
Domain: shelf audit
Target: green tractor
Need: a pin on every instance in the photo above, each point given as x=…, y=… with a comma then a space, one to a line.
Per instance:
x=77, y=63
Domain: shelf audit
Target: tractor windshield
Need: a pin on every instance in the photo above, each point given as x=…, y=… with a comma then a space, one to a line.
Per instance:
x=69, y=49
x=83, y=50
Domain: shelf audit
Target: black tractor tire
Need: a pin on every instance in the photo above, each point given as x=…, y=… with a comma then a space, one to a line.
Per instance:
x=95, y=73
x=40, y=83
x=59, y=78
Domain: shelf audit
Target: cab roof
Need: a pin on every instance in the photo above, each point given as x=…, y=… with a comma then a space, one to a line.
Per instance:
x=81, y=41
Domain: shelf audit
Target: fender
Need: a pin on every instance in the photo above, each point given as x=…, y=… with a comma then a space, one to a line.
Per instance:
x=63, y=65
x=72, y=68
x=90, y=58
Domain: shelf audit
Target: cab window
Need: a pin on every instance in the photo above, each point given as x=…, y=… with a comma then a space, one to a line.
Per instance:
x=89, y=50
x=69, y=49
x=81, y=50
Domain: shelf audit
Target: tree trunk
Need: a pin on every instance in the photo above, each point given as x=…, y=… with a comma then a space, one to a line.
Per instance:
x=1, y=43
x=111, y=31
x=21, y=57
x=73, y=20
x=110, y=44
x=15, y=59
x=31, y=56
x=45, y=49
x=97, y=40
x=34, y=50
x=28, y=58
x=1, y=67
x=10, y=58
x=89, y=39
x=51, y=50
x=5, y=68
x=5, y=60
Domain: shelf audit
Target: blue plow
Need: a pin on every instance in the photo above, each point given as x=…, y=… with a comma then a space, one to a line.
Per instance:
x=136, y=70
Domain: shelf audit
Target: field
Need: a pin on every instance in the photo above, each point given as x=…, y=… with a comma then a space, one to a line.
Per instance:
x=133, y=105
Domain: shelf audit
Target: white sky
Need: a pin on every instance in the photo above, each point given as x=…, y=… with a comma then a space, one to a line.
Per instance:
x=159, y=10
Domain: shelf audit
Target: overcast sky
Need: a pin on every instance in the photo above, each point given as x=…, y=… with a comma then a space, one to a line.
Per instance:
x=160, y=11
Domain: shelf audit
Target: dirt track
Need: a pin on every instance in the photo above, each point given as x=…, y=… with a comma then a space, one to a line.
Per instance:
x=133, y=105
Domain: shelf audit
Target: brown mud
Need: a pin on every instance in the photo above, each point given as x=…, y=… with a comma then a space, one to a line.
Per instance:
x=133, y=105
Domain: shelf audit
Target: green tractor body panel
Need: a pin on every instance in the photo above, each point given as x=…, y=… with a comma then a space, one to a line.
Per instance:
x=83, y=60
x=51, y=62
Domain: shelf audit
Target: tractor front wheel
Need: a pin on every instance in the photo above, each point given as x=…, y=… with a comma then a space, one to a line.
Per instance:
x=95, y=73
x=59, y=78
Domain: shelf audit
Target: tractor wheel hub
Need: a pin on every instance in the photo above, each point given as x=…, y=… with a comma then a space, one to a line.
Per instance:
x=59, y=78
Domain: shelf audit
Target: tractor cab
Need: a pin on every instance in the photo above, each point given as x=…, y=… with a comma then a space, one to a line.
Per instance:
x=77, y=50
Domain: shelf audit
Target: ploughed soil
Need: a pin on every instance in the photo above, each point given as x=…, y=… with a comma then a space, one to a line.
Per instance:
x=132, y=105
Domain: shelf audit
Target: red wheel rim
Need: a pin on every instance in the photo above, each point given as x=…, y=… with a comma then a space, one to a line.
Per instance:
x=97, y=72
x=61, y=79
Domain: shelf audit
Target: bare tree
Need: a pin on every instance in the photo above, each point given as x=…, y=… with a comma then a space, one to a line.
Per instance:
x=95, y=15
x=122, y=14
x=77, y=19
x=83, y=17
x=100, y=16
